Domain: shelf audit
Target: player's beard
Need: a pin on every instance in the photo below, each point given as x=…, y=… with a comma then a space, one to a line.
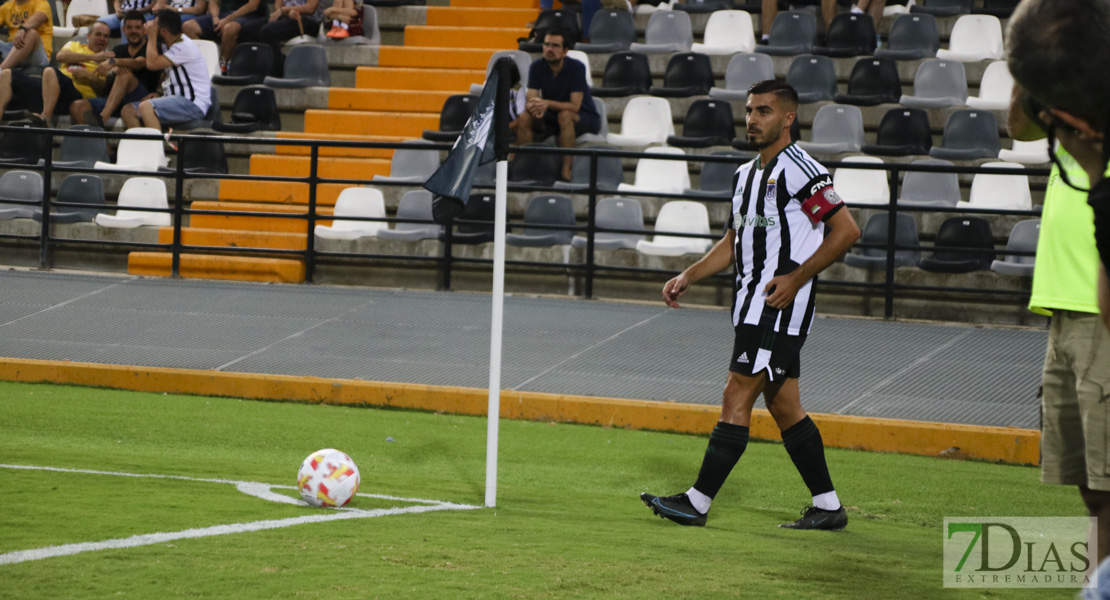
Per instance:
x=762, y=139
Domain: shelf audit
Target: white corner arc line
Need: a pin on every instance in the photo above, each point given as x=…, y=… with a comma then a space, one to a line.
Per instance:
x=148, y=539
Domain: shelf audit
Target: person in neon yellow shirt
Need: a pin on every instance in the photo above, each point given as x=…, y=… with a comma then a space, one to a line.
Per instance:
x=30, y=34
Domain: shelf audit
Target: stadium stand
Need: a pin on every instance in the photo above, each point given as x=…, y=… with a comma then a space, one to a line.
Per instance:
x=744, y=70
x=78, y=189
x=139, y=192
x=626, y=74
x=688, y=74
x=707, y=123
x=792, y=32
x=545, y=210
x=415, y=205
x=876, y=232
x=18, y=189
x=1023, y=238
x=358, y=202
x=610, y=31
x=615, y=213
x=726, y=33
x=678, y=216
x=610, y=173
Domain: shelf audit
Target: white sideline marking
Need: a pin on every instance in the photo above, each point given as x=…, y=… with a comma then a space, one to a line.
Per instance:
x=253, y=488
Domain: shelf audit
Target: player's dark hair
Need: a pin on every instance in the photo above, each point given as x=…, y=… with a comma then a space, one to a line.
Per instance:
x=783, y=90
x=133, y=15
x=568, y=42
x=171, y=21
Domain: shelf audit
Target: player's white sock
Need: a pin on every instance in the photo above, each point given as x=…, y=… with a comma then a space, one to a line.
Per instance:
x=700, y=501
x=826, y=501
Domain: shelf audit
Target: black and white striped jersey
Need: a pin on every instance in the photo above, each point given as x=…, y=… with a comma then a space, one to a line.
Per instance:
x=777, y=213
x=188, y=75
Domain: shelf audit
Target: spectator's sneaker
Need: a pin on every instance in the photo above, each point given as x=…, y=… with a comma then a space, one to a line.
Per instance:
x=816, y=518
x=340, y=33
x=223, y=67
x=676, y=508
x=332, y=33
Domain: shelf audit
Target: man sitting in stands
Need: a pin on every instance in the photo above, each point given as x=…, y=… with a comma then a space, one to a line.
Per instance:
x=186, y=87
x=225, y=20
x=30, y=34
x=132, y=81
x=559, y=99
x=78, y=76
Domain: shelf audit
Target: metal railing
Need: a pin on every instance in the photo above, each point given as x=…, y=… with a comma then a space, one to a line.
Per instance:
x=446, y=261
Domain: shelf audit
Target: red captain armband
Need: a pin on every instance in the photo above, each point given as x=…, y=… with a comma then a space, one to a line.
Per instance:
x=822, y=200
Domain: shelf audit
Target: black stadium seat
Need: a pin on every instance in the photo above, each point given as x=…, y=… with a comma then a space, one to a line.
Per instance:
x=903, y=131
x=707, y=123
x=479, y=214
x=687, y=74
x=565, y=20
x=850, y=34
x=530, y=168
x=961, y=232
x=19, y=148
x=255, y=108
x=626, y=74
x=610, y=31
x=249, y=64
x=873, y=81
x=204, y=156
x=452, y=118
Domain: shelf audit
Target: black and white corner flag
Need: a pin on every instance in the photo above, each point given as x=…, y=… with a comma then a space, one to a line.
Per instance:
x=452, y=182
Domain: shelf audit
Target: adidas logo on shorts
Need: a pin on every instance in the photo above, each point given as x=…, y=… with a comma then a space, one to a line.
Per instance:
x=743, y=358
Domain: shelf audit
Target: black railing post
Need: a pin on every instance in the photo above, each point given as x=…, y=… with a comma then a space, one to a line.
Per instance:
x=44, y=226
x=591, y=215
x=310, y=247
x=178, y=209
x=891, y=239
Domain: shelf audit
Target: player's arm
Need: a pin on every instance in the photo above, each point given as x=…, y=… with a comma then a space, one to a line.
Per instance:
x=716, y=260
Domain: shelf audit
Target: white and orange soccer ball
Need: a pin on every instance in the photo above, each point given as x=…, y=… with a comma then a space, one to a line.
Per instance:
x=328, y=477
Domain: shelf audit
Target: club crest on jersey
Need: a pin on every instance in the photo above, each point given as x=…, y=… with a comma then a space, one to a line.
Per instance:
x=771, y=194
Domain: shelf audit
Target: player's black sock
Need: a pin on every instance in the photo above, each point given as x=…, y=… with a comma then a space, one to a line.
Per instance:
x=726, y=444
x=803, y=443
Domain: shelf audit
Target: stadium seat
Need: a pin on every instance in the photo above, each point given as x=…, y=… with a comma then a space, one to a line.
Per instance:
x=659, y=175
x=452, y=118
x=78, y=188
x=744, y=70
x=912, y=37
x=626, y=74
x=994, y=89
x=961, y=232
x=362, y=202
x=974, y=38
x=485, y=175
x=211, y=53
x=849, y=34
x=836, y=128
x=614, y=213
x=23, y=147
x=306, y=66
x=727, y=32
x=999, y=192
x=371, y=33
x=1023, y=238
x=20, y=194
x=547, y=209
x=792, y=32
x=930, y=189
x=204, y=156
x=969, y=134
x=255, y=109
x=139, y=155
x=877, y=231
x=411, y=166
x=1002, y=9
x=688, y=74
x=702, y=6
x=1030, y=153
x=667, y=31
x=678, y=216
x=861, y=187
x=937, y=84
x=715, y=179
x=602, y=135
x=645, y=121
x=250, y=64
x=873, y=81
x=96, y=8
x=902, y=131
x=213, y=115
x=566, y=20
x=139, y=192
x=610, y=173
x=583, y=58
x=82, y=152
x=942, y=8
x=475, y=223
x=707, y=123
x=415, y=205
x=610, y=31
x=533, y=168
x=523, y=62
x=813, y=77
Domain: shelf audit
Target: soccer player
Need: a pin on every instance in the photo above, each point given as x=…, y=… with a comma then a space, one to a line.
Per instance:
x=781, y=202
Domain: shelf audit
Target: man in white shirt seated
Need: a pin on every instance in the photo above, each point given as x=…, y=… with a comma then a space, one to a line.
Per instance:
x=186, y=87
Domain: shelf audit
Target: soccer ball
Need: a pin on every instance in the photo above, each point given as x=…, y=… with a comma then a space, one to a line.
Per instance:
x=328, y=477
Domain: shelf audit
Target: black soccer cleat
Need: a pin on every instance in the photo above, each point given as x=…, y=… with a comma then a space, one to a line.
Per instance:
x=816, y=518
x=677, y=508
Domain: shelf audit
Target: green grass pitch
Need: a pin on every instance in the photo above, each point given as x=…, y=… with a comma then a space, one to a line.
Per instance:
x=569, y=522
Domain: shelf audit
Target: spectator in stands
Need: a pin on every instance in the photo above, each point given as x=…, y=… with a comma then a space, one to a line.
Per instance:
x=874, y=8
x=131, y=80
x=121, y=8
x=346, y=18
x=518, y=97
x=77, y=77
x=770, y=10
x=188, y=9
x=30, y=34
x=558, y=99
x=186, y=86
x=19, y=91
x=289, y=19
x=225, y=19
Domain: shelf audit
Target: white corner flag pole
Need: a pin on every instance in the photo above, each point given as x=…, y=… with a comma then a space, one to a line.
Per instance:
x=494, y=414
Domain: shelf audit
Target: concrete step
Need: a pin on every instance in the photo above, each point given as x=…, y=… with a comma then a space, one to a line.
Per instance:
x=216, y=266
